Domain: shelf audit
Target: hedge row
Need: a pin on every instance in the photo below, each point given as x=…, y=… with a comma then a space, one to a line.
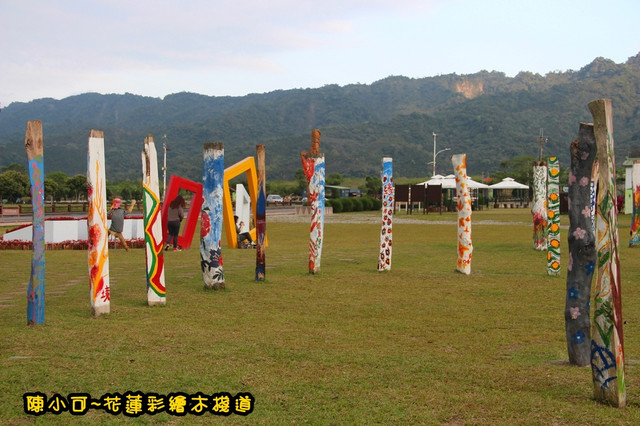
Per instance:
x=356, y=204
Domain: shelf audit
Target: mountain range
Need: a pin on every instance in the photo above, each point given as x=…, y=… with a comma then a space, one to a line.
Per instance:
x=487, y=115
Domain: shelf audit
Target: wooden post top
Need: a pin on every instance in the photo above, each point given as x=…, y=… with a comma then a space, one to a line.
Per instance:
x=315, y=141
x=96, y=134
x=33, y=139
x=214, y=146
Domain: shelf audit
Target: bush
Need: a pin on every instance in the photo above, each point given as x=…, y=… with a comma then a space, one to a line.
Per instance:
x=347, y=204
x=336, y=203
x=357, y=204
x=367, y=204
x=377, y=204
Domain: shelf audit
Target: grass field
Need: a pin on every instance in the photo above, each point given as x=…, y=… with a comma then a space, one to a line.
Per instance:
x=419, y=344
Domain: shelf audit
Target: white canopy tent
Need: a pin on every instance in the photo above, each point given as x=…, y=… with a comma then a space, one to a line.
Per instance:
x=449, y=182
x=510, y=193
x=508, y=183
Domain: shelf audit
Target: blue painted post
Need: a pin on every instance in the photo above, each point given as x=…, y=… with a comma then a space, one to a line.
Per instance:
x=35, y=292
x=211, y=217
x=261, y=217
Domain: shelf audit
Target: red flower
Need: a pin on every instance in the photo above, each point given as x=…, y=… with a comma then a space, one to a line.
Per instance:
x=205, y=225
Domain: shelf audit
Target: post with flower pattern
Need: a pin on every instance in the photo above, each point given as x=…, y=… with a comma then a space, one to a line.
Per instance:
x=465, y=246
x=607, y=343
x=384, y=260
x=582, y=248
x=97, y=226
x=33, y=145
x=553, y=215
x=634, y=241
x=211, y=217
x=539, y=207
x=314, y=171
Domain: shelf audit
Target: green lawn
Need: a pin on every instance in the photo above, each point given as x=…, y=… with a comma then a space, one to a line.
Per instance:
x=418, y=344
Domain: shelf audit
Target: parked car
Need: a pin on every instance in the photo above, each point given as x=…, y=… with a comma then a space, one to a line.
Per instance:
x=274, y=199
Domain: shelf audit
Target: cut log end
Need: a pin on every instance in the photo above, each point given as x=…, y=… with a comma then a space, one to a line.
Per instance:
x=96, y=134
x=213, y=146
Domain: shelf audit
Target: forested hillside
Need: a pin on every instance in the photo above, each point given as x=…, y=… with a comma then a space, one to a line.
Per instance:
x=491, y=117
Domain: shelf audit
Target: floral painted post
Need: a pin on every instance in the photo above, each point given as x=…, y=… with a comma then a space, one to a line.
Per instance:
x=261, y=216
x=33, y=144
x=553, y=215
x=97, y=226
x=582, y=248
x=539, y=208
x=211, y=217
x=634, y=241
x=314, y=171
x=607, y=343
x=384, y=260
x=465, y=246
x=156, y=291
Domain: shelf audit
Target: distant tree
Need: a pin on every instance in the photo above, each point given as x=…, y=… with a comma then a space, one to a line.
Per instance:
x=301, y=181
x=61, y=179
x=51, y=188
x=334, y=179
x=14, y=185
x=373, y=185
x=16, y=168
x=519, y=168
x=78, y=186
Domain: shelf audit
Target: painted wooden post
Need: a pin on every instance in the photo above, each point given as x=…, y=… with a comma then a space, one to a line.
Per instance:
x=607, y=343
x=97, y=229
x=388, y=197
x=582, y=248
x=595, y=173
x=314, y=171
x=33, y=144
x=156, y=290
x=261, y=216
x=313, y=167
x=211, y=217
x=539, y=208
x=553, y=216
x=465, y=245
x=634, y=241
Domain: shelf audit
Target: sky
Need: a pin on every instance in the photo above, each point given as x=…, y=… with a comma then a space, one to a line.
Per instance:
x=61, y=48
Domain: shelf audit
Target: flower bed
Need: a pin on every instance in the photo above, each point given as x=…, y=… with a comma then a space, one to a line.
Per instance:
x=67, y=245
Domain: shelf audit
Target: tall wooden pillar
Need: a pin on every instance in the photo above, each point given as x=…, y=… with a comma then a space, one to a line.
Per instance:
x=465, y=245
x=314, y=171
x=33, y=144
x=634, y=241
x=553, y=216
x=607, y=343
x=261, y=216
x=539, y=207
x=211, y=216
x=582, y=248
x=388, y=197
x=97, y=226
x=156, y=290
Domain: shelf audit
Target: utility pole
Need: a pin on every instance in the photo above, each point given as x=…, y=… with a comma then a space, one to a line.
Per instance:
x=542, y=140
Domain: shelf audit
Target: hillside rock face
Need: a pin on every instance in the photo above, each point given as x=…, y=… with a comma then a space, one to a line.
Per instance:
x=470, y=89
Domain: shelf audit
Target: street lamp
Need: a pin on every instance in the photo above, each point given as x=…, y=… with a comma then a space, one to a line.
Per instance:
x=435, y=154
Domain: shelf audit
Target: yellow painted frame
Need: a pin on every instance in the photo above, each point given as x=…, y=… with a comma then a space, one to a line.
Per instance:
x=248, y=166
